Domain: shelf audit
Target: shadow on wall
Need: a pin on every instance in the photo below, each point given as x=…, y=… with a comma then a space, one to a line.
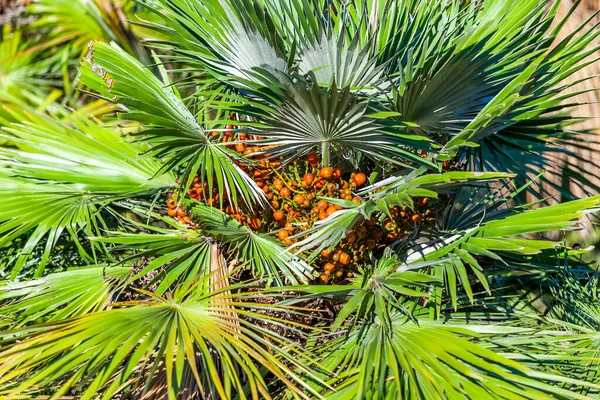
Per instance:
x=589, y=101
x=589, y=108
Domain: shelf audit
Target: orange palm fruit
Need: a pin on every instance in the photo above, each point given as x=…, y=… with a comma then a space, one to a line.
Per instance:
x=283, y=235
x=278, y=215
x=359, y=179
x=326, y=172
x=344, y=258
x=255, y=222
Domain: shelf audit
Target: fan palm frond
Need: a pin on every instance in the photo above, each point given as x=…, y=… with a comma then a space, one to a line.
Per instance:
x=345, y=64
x=78, y=22
x=334, y=123
x=58, y=176
x=494, y=237
x=264, y=255
x=230, y=39
x=430, y=360
x=177, y=256
x=22, y=81
x=60, y=295
x=103, y=352
x=397, y=190
x=171, y=127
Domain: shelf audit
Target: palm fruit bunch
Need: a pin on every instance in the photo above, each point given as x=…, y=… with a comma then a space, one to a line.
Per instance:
x=299, y=194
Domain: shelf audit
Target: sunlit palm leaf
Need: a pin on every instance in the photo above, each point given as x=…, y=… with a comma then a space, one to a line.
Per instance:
x=175, y=256
x=59, y=296
x=334, y=123
x=80, y=21
x=264, y=255
x=429, y=361
x=398, y=190
x=230, y=39
x=59, y=176
x=377, y=290
x=100, y=352
x=22, y=80
x=496, y=235
x=345, y=64
x=502, y=234
x=173, y=130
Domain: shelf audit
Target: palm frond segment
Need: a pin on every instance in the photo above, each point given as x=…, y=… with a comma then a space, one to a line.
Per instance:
x=77, y=22
x=172, y=129
x=431, y=360
x=177, y=256
x=380, y=197
x=503, y=232
x=231, y=39
x=60, y=295
x=346, y=64
x=335, y=124
x=22, y=80
x=102, y=352
x=57, y=176
x=263, y=254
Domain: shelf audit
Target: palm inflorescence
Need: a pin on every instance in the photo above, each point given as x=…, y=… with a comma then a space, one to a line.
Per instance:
x=293, y=199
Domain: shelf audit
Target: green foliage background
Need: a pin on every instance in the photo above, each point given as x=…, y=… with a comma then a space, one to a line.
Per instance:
x=106, y=108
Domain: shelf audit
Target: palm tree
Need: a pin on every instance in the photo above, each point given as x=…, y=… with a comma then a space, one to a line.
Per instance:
x=296, y=199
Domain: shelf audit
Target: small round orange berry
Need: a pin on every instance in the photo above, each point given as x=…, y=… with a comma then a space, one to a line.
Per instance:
x=283, y=235
x=255, y=222
x=240, y=147
x=326, y=172
x=278, y=215
x=285, y=193
x=308, y=178
x=337, y=174
x=359, y=179
x=344, y=258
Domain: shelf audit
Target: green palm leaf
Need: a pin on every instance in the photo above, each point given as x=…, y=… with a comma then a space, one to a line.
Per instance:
x=102, y=353
x=79, y=22
x=494, y=236
x=23, y=81
x=59, y=176
x=335, y=124
x=173, y=130
x=397, y=190
x=429, y=361
x=59, y=296
x=229, y=39
x=345, y=64
x=176, y=256
x=264, y=255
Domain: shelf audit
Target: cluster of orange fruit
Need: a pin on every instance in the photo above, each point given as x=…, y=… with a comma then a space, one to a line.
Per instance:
x=173, y=210
x=372, y=236
x=296, y=193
